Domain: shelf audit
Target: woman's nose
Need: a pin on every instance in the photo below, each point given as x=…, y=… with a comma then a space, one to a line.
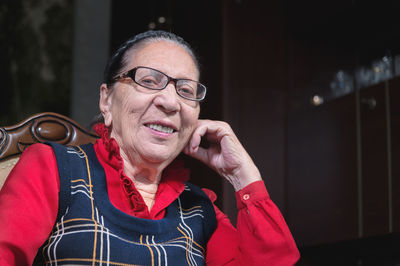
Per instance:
x=167, y=99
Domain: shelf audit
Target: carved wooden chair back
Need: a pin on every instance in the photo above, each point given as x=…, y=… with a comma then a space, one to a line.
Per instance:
x=38, y=128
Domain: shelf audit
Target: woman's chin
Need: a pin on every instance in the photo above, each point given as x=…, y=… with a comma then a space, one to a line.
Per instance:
x=160, y=157
x=156, y=153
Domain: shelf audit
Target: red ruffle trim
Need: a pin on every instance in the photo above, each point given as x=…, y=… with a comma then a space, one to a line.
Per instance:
x=110, y=144
x=175, y=169
x=115, y=159
x=175, y=172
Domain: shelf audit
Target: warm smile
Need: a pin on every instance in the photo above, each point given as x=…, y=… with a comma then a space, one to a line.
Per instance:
x=161, y=128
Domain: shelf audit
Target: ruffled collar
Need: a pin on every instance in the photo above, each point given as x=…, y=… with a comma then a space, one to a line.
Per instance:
x=170, y=187
x=109, y=147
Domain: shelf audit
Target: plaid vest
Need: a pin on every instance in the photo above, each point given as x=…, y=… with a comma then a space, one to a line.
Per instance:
x=90, y=231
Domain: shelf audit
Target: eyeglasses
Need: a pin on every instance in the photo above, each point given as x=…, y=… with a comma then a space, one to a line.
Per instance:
x=156, y=80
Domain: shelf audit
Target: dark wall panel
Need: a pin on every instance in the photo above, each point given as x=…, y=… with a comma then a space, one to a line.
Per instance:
x=322, y=172
x=374, y=158
x=394, y=92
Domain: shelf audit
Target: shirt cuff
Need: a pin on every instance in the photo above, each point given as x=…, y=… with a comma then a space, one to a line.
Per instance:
x=250, y=194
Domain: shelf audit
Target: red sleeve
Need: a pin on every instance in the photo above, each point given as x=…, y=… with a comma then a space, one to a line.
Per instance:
x=28, y=205
x=261, y=238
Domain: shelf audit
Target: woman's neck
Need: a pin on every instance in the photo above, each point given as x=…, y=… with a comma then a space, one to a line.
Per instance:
x=146, y=178
x=148, y=191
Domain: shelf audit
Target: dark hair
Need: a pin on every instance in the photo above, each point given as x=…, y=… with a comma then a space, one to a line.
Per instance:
x=118, y=60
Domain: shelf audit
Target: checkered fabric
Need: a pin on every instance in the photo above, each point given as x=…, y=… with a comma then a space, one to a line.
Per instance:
x=90, y=231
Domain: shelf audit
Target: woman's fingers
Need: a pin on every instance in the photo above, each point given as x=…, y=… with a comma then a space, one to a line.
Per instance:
x=195, y=140
x=213, y=131
x=225, y=154
x=200, y=154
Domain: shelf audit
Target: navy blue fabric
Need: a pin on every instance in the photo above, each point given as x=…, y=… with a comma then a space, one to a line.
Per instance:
x=89, y=228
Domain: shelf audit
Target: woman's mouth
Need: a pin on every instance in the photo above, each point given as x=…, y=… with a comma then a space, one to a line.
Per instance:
x=160, y=128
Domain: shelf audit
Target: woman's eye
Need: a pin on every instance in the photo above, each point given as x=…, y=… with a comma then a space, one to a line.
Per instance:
x=148, y=81
x=187, y=91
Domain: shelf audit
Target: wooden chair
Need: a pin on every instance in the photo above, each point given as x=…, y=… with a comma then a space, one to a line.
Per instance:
x=38, y=128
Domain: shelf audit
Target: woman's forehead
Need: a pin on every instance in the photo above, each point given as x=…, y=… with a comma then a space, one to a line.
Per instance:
x=166, y=56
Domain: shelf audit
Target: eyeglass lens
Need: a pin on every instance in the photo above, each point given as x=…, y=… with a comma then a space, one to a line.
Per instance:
x=153, y=79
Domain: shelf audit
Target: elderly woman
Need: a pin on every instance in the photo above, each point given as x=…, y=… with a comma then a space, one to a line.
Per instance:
x=125, y=200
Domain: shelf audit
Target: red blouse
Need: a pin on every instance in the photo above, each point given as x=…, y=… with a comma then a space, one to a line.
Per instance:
x=29, y=204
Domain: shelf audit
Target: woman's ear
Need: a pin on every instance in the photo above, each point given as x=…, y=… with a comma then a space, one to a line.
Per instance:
x=105, y=104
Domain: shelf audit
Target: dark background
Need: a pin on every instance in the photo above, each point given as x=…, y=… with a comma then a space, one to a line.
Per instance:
x=332, y=169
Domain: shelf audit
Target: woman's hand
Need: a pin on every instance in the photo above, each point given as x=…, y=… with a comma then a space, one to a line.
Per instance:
x=226, y=155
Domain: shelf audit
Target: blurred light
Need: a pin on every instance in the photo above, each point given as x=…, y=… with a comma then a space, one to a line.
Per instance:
x=317, y=100
x=377, y=69
x=161, y=20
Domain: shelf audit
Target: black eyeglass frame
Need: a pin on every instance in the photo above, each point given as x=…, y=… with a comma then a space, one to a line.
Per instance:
x=132, y=73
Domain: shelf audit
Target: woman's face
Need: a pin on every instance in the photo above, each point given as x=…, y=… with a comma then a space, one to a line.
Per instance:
x=141, y=119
